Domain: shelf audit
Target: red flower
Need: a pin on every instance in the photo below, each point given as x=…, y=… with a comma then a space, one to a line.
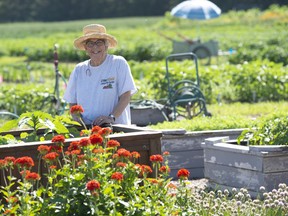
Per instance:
x=183, y=174
x=98, y=151
x=26, y=162
x=76, y=109
x=58, y=139
x=164, y=169
x=105, y=131
x=53, y=167
x=121, y=164
x=84, y=142
x=75, y=152
x=74, y=145
x=52, y=156
x=93, y=185
x=135, y=154
x=146, y=169
x=96, y=129
x=117, y=176
x=9, y=161
x=156, y=158
x=166, y=153
x=24, y=172
x=96, y=139
x=123, y=153
x=55, y=149
x=32, y=176
x=113, y=143
x=3, y=164
x=43, y=149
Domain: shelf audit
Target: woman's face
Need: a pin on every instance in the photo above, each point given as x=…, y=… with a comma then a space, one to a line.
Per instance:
x=96, y=49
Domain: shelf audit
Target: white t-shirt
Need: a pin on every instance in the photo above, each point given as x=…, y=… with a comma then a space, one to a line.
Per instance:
x=97, y=89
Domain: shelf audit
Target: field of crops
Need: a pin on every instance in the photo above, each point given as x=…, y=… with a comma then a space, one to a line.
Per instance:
x=256, y=72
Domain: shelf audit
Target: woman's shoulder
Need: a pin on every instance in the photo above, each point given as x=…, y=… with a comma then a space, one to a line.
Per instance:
x=82, y=64
x=117, y=58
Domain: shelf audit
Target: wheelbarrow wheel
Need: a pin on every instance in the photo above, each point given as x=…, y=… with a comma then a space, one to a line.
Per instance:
x=203, y=54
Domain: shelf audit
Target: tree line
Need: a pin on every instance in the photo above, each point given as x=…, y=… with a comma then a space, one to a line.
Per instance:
x=63, y=10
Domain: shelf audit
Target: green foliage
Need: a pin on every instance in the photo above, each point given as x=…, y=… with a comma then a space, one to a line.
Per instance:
x=139, y=41
x=227, y=116
x=271, y=130
x=37, y=121
x=250, y=82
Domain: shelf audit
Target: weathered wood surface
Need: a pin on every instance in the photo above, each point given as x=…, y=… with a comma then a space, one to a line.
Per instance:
x=186, y=150
x=228, y=165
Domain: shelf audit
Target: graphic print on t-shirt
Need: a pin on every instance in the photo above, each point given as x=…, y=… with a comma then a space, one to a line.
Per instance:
x=108, y=83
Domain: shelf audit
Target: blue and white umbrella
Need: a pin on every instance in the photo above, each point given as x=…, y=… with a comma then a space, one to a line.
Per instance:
x=196, y=9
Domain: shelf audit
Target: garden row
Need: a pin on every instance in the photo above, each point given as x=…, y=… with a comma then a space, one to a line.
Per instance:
x=250, y=82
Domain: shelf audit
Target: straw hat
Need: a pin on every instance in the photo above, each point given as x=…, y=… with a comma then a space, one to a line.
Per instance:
x=94, y=31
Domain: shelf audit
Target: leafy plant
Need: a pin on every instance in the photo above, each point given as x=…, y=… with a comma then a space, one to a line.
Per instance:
x=270, y=131
x=37, y=121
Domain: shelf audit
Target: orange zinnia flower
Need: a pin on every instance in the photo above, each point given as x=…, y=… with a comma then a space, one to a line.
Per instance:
x=96, y=129
x=135, y=154
x=96, y=139
x=74, y=145
x=93, y=185
x=146, y=169
x=105, y=131
x=55, y=148
x=52, y=156
x=183, y=174
x=84, y=142
x=166, y=153
x=113, y=143
x=26, y=162
x=121, y=164
x=117, y=176
x=3, y=164
x=156, y=158
x=58, y=139
x=123, y=153
x=164, y=169
x=9, y=161
x=76, y=109
x=43, y=149
x=32, y=176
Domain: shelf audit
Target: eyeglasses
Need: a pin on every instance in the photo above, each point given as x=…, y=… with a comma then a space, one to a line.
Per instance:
x=98, y=43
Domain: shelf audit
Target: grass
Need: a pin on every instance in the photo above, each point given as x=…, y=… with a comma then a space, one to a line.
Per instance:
x=228, y=116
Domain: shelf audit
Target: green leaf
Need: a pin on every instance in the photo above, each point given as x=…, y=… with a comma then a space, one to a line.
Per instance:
x=12, y=124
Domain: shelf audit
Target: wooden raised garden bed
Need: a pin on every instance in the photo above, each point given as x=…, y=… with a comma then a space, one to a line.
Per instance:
x=230, y=166
x=146, y=142
x=186, y=150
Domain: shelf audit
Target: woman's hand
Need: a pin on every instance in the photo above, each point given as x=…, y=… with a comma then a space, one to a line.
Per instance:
x=101, y=120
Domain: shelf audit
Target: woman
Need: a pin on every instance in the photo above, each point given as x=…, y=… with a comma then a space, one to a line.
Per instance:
x=102, y=85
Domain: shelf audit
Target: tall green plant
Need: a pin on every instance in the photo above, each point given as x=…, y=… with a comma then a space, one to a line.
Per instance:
x=270, y=131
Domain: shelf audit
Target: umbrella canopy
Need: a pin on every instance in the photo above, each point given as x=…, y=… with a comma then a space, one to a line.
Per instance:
x=196, y=9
